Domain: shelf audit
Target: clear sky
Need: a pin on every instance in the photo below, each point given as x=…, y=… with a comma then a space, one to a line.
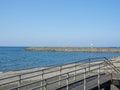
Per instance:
x=60, y=23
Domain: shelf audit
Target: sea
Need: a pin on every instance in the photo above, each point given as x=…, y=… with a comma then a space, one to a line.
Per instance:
x=16, y=58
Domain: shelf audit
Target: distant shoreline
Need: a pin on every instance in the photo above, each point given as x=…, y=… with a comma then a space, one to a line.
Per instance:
x=73, y=49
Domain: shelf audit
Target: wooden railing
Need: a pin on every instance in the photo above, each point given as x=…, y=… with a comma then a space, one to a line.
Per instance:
x=59, y=76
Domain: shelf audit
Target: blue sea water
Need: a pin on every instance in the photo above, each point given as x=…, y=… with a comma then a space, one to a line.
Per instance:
x=16, y=58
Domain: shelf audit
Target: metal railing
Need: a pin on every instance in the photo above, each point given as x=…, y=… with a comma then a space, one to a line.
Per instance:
x=55, y=77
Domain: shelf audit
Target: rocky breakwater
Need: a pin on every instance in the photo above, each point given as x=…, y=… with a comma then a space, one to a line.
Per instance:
x=72, y=49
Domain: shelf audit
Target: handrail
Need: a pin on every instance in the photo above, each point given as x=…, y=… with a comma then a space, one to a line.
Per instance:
x=35, y=75
x=62, y=79
x=49, y=68
x=52, y=66
x=44, y=71
x=113, y=66
x=61, y=75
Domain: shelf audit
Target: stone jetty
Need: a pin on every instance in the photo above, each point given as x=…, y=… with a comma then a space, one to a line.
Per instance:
x=73, y=49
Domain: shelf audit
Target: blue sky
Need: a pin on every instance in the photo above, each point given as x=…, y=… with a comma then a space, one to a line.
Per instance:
x=60, y=23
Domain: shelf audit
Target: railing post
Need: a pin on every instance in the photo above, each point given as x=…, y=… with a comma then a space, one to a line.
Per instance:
x=89, y=67
x=99, y=77
x=42, y=77
x=67, y=82
x=75, y=72
x=19, y=82
x=85, y=88
x=45, y=84
x=111, y=77
x=60, y=68
x=106, y=68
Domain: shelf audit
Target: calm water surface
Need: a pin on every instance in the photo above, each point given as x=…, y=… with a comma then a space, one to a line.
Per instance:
x=15, y=58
